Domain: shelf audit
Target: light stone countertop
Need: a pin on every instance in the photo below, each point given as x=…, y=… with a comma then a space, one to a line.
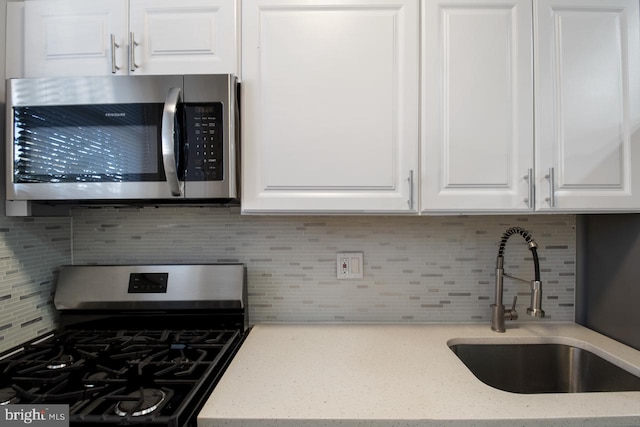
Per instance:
x=402, y=375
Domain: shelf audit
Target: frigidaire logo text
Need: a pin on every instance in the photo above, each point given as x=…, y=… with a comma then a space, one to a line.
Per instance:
x=31, y=415
x=115, y=114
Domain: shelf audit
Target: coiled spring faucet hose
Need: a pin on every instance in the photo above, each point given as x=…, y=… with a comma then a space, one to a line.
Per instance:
x=533, y=247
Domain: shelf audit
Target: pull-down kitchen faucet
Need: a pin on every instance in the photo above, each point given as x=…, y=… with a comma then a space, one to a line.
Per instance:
x=498, y=311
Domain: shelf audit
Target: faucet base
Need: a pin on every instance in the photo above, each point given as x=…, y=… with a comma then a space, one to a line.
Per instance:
x=499, y=314
x=497, y=318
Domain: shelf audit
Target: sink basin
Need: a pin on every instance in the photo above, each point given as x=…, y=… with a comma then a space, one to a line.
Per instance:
x=544, y=368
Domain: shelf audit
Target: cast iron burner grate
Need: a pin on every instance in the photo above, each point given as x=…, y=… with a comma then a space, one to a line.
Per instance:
x=142, y=377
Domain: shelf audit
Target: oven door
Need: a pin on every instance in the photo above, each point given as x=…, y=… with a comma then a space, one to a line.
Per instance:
x=99, y=138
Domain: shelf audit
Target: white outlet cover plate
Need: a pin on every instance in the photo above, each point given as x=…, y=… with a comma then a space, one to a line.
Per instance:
x=349, y=265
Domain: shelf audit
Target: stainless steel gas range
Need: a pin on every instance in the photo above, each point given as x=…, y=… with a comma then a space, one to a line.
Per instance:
x=138, y=345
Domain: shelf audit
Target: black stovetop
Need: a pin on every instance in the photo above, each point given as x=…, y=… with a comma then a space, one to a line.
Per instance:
x=155, y=377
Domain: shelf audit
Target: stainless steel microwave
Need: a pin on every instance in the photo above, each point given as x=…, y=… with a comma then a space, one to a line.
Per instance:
x=120, y=138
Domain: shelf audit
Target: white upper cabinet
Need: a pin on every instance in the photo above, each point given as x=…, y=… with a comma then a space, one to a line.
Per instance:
x=477, y=106
x=73, y=37
x=587, y=68
x=183, y=37
x=330, y=105
x=100, y=37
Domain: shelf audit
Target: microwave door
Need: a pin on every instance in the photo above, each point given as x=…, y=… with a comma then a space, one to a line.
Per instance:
x=90, y=151
x=89, y=138
x=169, y=139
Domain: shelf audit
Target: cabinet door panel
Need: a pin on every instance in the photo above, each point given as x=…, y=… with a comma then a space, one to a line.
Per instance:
x=73, y=37
x=186, y=37
x=588, y=104
x=477, y=105
x=329, y=105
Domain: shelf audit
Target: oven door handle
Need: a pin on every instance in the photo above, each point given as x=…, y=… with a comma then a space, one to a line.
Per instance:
x=169, y=135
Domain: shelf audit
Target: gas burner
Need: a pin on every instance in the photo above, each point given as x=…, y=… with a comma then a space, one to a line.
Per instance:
x=181, y=360
x=142, y=402
x=98, y=376
x=61, y=362
x=8, y=395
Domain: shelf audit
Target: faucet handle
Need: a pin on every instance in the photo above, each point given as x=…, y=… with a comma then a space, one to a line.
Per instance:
x=512, y=314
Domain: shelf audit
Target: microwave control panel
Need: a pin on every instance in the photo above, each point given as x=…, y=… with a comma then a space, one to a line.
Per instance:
x=204, y=136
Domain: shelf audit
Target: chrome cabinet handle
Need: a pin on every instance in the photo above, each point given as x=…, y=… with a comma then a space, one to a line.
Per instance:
x=168, y=138
x=410, y=179
x=552, y=196
x=132, y=52
x=114, y=46
x=529, y=199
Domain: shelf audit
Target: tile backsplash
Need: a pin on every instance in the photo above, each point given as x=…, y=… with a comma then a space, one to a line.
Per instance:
x=31, y=251
x=416, y=269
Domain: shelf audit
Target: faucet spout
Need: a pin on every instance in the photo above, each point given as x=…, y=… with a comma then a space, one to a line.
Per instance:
x=498, y=311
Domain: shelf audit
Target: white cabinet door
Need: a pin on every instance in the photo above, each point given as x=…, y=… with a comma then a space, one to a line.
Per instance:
x=587, y=105
x=183, y=37
x=73, y=37
x=330, y=105
x=477, y=106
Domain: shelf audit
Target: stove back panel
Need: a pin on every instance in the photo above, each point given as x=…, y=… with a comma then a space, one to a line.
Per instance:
x=154, y=287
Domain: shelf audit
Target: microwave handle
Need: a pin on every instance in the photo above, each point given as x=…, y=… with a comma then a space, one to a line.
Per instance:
x=168, y=136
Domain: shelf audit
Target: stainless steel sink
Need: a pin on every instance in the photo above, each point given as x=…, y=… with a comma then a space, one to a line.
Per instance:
x=544, y=368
